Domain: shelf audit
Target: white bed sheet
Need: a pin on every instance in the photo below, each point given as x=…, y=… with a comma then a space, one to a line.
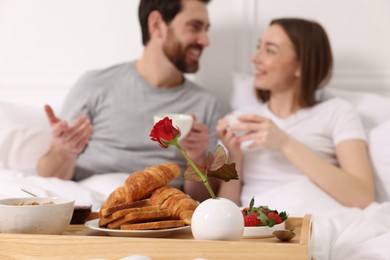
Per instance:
x=338, y=232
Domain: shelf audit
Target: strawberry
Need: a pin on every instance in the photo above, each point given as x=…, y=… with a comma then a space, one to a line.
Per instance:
x=245, y=211
x=274, y=215
x=262, y=215
x=251, y=220
x=263, y=209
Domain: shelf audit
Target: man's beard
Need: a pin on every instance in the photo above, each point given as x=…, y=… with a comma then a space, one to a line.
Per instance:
x=175, y=52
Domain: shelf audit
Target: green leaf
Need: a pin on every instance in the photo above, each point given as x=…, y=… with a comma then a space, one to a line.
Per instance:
x=271, y=222
x=215, y=166
x=265, y=209
x=227, y=172
x=263, y=218
x=219, y=158
x=209, y=160
x=283, y=215
x=252, y=203
x=191, y=175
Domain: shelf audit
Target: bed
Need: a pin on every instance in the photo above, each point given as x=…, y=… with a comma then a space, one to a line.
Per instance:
x=339, y=232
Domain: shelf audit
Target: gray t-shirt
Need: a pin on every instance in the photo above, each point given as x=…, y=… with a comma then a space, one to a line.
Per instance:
x=121, y=105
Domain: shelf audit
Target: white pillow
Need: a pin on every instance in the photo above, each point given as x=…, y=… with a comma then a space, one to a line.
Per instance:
x=379, y=139
x=24, y=137
x=373, y=108
x=104, y=183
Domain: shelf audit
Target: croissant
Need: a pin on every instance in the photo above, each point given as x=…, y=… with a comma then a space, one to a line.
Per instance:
x=140, y=184
x=163, y=193
x=178, y=204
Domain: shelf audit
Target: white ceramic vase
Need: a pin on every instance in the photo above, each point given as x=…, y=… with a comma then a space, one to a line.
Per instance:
x=217, y=219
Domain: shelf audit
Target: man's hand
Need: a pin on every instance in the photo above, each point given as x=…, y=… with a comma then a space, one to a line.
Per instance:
x=72, y=138
x=196, y=142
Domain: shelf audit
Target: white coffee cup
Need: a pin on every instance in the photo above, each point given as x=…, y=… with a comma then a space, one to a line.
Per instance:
x=182, y=121
x=233, y=119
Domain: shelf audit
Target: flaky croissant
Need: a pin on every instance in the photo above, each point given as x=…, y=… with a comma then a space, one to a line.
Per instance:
x=140, y=184
x=175, y=201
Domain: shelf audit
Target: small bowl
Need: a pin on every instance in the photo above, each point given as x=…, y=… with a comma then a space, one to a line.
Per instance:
x=49, y=215
x=80, y=213
x=262, y=231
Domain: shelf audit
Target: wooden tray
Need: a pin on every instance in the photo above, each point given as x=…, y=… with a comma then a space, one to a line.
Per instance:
x=79, y=242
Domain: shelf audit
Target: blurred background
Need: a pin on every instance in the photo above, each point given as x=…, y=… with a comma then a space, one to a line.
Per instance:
x=45, y=45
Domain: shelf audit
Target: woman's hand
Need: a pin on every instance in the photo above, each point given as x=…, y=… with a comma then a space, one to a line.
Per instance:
x=229, y=139
x=262, y=132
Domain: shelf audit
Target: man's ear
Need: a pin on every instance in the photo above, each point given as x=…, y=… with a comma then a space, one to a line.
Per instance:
x=156, y=24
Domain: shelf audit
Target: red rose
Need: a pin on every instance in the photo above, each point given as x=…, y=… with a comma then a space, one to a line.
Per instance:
x=164, y=132
x=166, y=135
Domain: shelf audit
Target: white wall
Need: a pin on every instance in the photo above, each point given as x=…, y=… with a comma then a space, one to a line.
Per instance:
x=46, y=44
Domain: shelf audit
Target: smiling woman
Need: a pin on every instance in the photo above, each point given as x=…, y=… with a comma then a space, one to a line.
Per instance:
x=300, y=157
x=291, y=134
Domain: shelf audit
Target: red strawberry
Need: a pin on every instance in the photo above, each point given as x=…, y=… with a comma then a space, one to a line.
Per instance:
x=245, y=211
x=251, y=220
x=275, y=216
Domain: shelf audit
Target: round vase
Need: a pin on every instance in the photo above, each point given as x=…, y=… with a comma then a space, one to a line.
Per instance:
x=217, y=219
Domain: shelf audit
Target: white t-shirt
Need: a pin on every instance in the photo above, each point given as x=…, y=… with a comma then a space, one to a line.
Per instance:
x=320, y=128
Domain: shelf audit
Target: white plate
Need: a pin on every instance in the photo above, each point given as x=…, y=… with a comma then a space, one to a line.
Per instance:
x=94, y=224
x=262, y=231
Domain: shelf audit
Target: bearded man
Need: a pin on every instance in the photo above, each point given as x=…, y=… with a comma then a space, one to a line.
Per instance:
x=107, y=116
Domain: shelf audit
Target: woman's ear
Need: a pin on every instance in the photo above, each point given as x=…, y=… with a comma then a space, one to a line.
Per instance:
x=298, y=72
x=155, y=24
